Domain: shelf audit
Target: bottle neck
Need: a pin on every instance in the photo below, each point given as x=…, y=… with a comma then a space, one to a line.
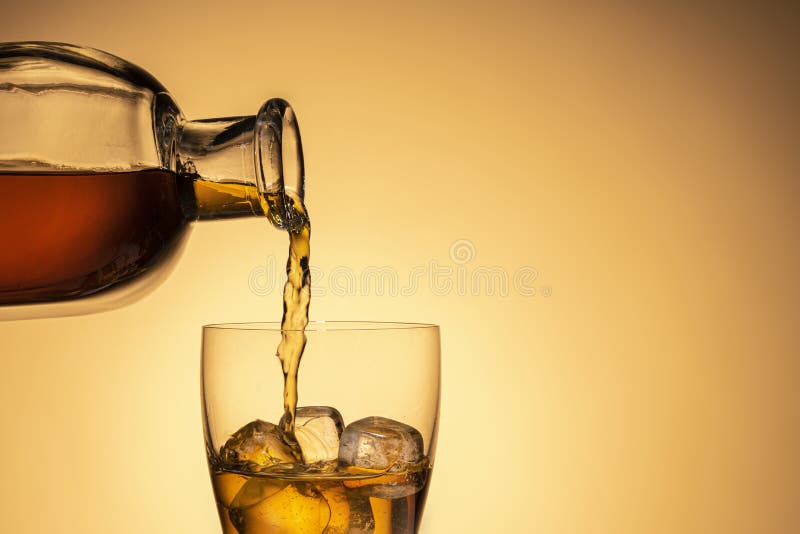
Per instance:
x=243, y=166
x=217, y=157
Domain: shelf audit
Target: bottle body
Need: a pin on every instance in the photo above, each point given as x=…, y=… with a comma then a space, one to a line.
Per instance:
x=101, y=177
x=69, y=236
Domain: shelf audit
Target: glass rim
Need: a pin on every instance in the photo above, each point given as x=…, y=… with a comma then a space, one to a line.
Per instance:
x=321, y=326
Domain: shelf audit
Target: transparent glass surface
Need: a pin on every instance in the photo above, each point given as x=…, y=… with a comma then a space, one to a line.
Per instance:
x=364, y=444
x=101, y=176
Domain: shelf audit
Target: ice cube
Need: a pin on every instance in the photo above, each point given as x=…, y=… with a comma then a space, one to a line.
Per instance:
x=390, y=450
x=381, y=444
x=270, y=504
x=299, y=508
x=389, y=485
x=361, y=520
x=255, y=490
x=335, y=496
x=317, y=430
x=258, y=445
x=226, y=486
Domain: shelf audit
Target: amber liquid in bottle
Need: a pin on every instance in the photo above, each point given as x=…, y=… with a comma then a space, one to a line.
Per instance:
x=66, y=236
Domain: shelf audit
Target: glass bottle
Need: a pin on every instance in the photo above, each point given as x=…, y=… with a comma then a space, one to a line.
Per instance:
x=101, y=177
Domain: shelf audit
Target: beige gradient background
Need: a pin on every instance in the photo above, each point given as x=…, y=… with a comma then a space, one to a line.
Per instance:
x=643, y=159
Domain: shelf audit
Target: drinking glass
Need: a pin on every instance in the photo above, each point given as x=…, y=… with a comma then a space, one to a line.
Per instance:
x=361, y=455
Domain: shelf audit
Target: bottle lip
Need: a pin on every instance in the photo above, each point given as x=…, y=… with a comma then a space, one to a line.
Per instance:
x=278, y=150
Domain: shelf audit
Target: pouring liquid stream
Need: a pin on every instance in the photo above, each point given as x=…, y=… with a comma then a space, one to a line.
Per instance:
x=296, y=299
